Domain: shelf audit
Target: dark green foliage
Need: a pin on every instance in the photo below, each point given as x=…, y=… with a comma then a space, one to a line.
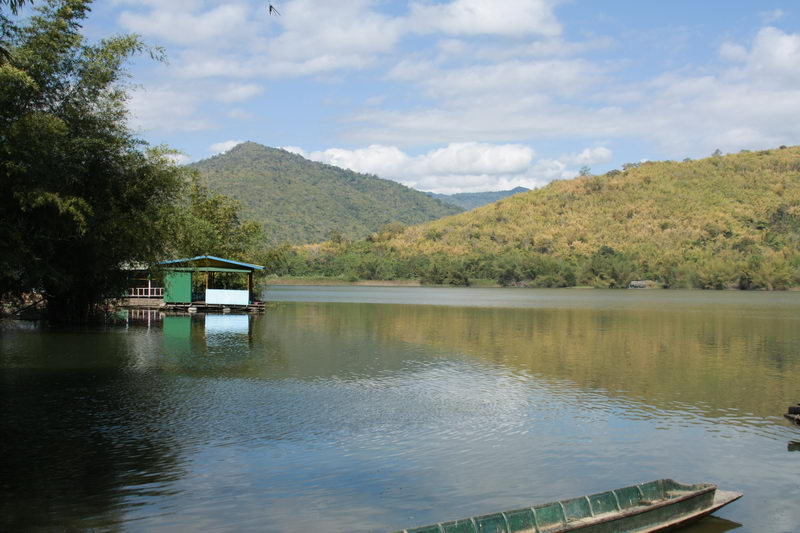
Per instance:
x=301, y=201
x=79, y=198
x=471, y=200
x=209, y=224
x=444, y=270
x=6, y=27
x=13, y=5
x=531, y=269
x=607, y=268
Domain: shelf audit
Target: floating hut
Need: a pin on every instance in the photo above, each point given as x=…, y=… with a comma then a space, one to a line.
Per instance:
x=200, y=283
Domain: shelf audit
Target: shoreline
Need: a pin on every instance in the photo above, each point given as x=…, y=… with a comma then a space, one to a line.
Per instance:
x=478, y=283
x=323, y=282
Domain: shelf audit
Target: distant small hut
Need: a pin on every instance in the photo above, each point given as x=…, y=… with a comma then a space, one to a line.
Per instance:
x=643, y=284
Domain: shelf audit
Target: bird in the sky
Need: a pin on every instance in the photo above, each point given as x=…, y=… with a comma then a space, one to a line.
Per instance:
x=273, y=10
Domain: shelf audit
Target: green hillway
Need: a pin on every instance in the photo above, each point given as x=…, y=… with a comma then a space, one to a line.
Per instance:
x=300, y=201
x=722, y=222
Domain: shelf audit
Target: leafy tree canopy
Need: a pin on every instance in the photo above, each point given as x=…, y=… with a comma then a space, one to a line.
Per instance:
x=209, y=224
x=80, y=197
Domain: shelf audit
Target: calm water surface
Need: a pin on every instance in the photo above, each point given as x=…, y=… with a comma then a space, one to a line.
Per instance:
x=371, y=409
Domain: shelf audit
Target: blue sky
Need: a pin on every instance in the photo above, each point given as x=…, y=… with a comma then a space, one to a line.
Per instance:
x=465, y=95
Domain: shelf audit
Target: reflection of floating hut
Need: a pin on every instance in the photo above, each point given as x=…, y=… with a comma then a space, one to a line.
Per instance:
x=202, y=283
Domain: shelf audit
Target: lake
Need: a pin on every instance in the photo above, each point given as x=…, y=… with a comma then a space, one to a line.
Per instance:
x=378, y=408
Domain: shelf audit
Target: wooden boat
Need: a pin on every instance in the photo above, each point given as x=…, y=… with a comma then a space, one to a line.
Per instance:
x=659, y=505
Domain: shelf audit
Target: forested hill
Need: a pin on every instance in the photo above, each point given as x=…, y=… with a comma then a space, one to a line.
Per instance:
x=720, y=214
x=302, y=201
x=718, y=222
x=471, y=200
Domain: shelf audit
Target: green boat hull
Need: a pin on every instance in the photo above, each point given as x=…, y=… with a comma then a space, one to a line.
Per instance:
x=659, y=505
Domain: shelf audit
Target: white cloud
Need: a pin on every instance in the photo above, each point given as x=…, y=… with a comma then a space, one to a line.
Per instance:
x=510, y=77
x=768, y=17
x=495, y=119
x=478, y=158
x=733, y=51
x=383, y=161
x=178, y=106
x=237, y=92
x=591, y=156
x=295, y=150
x=499, y=72
x=775, y=54
x=239, y=114
x=240, y=40
x=165, y=108
x=179, y=158
x=374, y=100
x=752, y=103
x=498, y=50
x=331, y=29
x=224, y=146
x=310, y=37
x=459, y=167
x=479, y=17
x=177, y=22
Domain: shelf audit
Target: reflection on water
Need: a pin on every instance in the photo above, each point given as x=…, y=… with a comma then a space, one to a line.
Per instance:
x=712, y=524
x=369, y=417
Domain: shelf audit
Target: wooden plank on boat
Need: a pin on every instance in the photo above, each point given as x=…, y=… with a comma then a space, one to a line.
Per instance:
x=659, y=505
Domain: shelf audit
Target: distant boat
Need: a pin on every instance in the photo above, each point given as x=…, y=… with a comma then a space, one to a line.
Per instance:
x=658, y=505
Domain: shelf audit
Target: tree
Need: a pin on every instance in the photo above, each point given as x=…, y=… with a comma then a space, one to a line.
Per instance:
x=13, y=6
x=80, y=197
x=209, y=224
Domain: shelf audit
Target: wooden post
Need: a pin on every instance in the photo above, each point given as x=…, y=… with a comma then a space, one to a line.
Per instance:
x=250, y=287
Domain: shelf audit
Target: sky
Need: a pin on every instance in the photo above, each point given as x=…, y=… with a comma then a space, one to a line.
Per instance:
x=464, y=95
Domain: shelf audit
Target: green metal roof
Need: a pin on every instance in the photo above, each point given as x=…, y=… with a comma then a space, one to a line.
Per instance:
x=208, y=269
x=210, y=263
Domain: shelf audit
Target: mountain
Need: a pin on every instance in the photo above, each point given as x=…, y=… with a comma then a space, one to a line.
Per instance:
x=302, y=201
x=723, y=221
x=471, y=200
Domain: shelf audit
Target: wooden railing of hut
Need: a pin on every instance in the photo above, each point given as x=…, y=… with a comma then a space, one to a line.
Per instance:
x=146, y=292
